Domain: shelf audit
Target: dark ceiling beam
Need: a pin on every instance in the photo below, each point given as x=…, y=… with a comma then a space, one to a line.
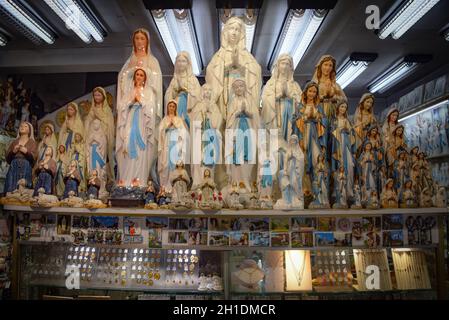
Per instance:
x=167, y=4
x=228, y=4
x=312, y=4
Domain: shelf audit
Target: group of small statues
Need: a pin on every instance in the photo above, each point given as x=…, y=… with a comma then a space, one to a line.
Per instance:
x=318, y=158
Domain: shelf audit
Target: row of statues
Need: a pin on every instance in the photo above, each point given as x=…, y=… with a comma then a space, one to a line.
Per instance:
x=201, y=146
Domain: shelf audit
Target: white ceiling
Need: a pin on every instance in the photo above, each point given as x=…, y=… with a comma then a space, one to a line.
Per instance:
x=342, y=33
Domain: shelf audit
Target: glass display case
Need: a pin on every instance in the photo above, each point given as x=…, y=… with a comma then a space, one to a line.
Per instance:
x=228, y=254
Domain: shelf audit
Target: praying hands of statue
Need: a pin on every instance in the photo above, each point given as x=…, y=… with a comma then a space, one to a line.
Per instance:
x=285, y=89
x=46, y=166
x=23, y=149
x=16, y=148
x=235, y=58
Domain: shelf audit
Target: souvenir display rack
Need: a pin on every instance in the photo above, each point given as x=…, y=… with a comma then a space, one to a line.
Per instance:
x=126, y=287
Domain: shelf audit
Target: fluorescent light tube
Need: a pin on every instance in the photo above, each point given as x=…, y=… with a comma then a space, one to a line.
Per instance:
x=405, y=17
x=177, y=31
x=298, y=31
x=3, y=41
x=26, y=20
x=392, y=76
x=354, y=65
x=76, y=19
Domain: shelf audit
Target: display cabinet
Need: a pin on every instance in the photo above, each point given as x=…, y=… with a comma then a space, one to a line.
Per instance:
x=161, y=254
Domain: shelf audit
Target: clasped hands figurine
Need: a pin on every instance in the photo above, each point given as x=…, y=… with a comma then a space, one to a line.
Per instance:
x=20, y=148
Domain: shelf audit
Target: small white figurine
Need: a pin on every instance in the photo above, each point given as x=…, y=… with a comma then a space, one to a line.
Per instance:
x=44, y=200
x=179, y=179
x=440, y=197
x=291, y=176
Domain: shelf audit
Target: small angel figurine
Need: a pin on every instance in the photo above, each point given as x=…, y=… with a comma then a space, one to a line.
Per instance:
x=93, y=185
x=162, y=198
x=341, y=201
x=254, y=197
x=150, y=195
x=234, y=197
x=320, y=185
x=389, y=197
x=356, y=200
x=72, y=179
x=179, y=180
x=440, y=197
x=373, y=200
x=207, y=187
x=407, y=196
x=425, y=199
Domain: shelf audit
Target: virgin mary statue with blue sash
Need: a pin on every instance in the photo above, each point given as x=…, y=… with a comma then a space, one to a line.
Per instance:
x=135, y=151
x=310, y=125
x=135, y=135
x=343, y=148
x=279, y=97
x=184, y=87
x=241, y=126
x=72, y=124
x=173, y=145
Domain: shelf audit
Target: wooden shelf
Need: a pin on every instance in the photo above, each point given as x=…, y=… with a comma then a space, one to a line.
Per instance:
x=225, y=212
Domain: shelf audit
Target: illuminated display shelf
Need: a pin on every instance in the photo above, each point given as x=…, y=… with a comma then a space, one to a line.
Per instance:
x=227, y=212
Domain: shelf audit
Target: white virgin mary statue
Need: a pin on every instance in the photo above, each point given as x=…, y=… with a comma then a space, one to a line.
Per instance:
x=136, y=131
x=150, y=112
x=173, y=145
x=279, y=97
x=184, y=87
x=233, y=61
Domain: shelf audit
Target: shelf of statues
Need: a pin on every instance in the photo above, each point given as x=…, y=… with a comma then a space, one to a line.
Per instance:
x=226, y=212
x=323, y=159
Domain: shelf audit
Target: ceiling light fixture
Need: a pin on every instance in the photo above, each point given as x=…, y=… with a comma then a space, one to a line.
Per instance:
x=404, y=17
x=354, y=65
x=78, y=17
x=397, y=72
x=299, y=28
x=177, y=31
x=30, y=24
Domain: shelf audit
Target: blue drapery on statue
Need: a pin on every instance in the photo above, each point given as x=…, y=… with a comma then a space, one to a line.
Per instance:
x=182, y=108
x=68, y=141
x=267, y=176
x=313, y=136
x=286, y=117
x=243, y=143
x=70, y=185
x=43, y=181
x=20, y=168
x=173, y=152
x=96, y=158
x=210, y=135
x=135, y=137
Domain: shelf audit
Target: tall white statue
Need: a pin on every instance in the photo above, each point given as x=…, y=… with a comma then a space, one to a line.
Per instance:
x=280, y=96
x=96, y=150
x=184, y=87
x=138, y=102
x=207, y=122
x=243, y=119
x=136, y=130
x=101, y=110
x=173, y=144
x=233, y=61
